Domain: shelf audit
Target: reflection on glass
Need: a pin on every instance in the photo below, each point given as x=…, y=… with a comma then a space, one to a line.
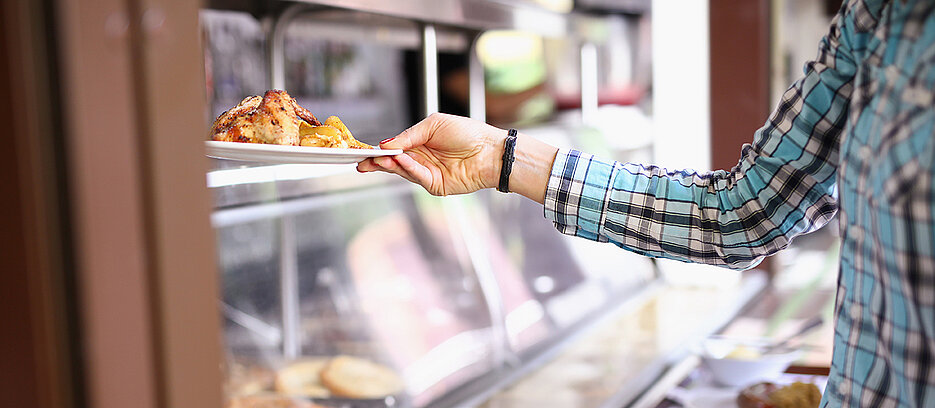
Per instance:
x=383, y=277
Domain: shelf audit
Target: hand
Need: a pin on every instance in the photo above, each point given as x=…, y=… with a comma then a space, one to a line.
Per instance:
x=445, y=154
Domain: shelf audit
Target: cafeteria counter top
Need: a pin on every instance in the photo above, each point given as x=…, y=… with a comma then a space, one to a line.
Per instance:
x=620, y=360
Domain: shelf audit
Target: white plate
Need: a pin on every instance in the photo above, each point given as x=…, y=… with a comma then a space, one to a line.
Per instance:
x=267, y=153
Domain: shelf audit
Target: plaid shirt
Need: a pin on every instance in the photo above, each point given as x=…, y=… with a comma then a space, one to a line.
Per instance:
x=855, y=135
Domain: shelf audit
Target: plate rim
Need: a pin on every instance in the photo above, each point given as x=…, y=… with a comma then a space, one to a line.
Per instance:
x=297, y=150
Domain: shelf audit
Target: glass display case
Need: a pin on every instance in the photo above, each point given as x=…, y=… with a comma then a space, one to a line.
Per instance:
x=380, y=273
x=319, y=262
x=312, y=285
x=351, y=290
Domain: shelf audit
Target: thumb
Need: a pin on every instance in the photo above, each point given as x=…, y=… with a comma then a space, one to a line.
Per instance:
x=415, y=136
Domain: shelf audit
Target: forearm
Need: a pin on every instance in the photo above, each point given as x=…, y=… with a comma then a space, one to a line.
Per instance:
x=723, y=218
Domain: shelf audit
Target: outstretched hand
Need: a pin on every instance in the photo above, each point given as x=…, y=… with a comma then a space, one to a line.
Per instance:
x=445, y=154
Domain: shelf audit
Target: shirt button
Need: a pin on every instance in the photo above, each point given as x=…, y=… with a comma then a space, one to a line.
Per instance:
x=865, y=153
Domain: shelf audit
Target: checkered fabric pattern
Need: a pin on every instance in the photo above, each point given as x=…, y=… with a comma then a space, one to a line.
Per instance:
x=855, y=135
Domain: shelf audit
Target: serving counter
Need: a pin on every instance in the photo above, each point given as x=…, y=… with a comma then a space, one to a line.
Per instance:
x=464, y=301
x=470, y=299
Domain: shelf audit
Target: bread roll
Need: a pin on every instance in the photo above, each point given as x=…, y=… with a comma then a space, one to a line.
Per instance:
x=353, y=377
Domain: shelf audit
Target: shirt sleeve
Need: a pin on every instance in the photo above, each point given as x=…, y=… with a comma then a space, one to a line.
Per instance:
x=783, y=185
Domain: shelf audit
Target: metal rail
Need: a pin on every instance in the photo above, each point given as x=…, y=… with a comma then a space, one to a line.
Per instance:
x=276, y=38
x=289, y=289
x=430, y=69
x=473, y=14
x=477, y=93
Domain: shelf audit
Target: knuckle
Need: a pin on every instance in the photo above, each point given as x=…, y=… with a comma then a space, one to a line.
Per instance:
x=437, y=117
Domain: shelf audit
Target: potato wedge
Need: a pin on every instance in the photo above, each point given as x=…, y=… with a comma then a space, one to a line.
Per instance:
x=336, y=122
x=332, y=134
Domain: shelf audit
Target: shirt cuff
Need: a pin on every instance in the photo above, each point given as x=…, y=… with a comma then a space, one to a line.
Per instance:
x=577, y=192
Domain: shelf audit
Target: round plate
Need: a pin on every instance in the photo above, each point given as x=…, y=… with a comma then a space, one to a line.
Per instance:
x=267, y=153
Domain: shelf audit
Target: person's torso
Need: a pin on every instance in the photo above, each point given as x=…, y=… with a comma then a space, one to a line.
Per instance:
x=885, y=308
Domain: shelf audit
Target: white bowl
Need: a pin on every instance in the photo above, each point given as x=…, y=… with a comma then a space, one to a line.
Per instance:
x=739, y=372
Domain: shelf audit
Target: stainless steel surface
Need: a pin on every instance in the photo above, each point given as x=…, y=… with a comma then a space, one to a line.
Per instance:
x=289, y=289
x=487, y=281
x=246, y=320
x=670, y=379
x=240, y=215
x=619, y=6
x=753, y=285
x=429, y=69
x=589, y=83
x=808, y=326
x=276, y=38
x=480, y=391
x=474, y=14
x=241, y=185
x=477, y=92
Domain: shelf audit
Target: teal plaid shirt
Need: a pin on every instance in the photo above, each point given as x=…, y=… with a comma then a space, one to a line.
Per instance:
x=854, y=136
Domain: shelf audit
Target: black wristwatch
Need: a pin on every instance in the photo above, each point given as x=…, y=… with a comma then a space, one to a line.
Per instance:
x=508, y=146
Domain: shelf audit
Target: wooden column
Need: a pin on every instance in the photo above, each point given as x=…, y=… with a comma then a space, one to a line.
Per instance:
x=108, y=282
x=38, y=354
x=132, y=86
x=740, y=103
x=739, y=76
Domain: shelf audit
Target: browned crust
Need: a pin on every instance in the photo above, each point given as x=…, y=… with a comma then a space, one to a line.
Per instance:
x=226, y=128
x=267, y=119
x=304, y=114
x=353, y=377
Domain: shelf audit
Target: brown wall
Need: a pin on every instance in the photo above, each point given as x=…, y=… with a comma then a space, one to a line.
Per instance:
x=740, y=104
x=739, y=76
x=37, y=351
x=108, y=286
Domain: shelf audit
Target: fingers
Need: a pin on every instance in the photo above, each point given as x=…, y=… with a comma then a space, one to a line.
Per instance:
x=416, y=135
x=415, y=169
x=367, y=165
x=389, y=165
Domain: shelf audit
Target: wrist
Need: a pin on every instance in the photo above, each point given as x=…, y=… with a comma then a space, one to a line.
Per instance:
x=494, y=140
x=532, y=167
x=532, y=164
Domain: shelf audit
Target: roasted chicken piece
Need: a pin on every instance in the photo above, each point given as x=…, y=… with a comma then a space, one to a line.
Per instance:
x=277, y=118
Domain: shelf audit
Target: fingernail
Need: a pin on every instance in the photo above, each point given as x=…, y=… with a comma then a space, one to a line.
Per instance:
x=387, y=140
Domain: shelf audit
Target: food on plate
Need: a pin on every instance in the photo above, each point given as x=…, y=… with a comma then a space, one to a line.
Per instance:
x=342, y=376
x=744, y=353
x=795, y=395
x=353, y=377
x=302, y=378
x=769, y=395
x=268, y=401
x=276, y=118
x=246, y=379
x=331, y=134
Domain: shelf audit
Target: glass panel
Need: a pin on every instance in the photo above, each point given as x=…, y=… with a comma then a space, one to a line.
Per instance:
x=235, y=58
x=249, y=258
x=381, y=274
x=542, y=287
x=351, y=65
